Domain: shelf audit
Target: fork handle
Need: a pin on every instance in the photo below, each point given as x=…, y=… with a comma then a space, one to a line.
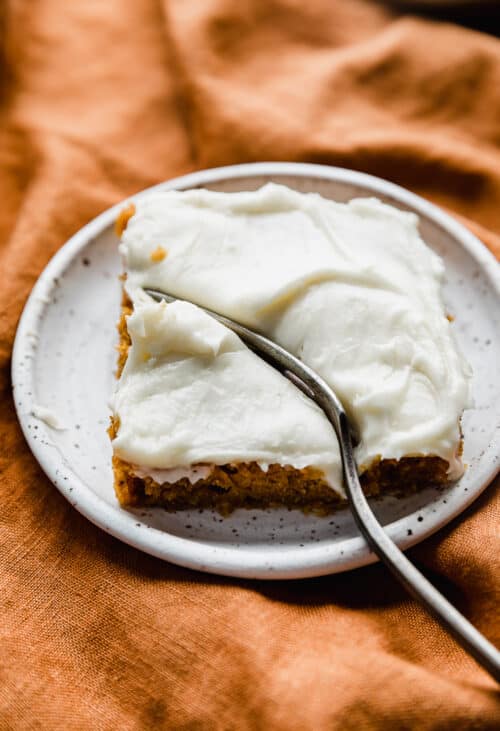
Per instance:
x=476, y=644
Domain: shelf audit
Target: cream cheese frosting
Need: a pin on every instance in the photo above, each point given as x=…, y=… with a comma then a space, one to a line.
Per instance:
x=350, y=288
x=191, y=392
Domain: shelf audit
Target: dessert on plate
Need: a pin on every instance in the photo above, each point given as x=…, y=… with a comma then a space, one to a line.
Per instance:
x=199, y=420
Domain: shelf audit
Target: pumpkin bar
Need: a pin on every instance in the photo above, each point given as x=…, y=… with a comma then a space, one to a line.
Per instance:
x=199, y=420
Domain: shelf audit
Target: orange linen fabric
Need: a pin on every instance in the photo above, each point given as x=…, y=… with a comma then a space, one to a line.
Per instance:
x=99, y=100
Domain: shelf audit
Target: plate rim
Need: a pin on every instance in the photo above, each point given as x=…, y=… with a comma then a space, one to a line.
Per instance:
x=291, y=562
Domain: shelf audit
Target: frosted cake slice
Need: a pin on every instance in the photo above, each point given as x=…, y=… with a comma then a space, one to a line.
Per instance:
x=199, y=420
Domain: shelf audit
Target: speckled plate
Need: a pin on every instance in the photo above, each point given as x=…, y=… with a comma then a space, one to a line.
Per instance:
x=64, y=360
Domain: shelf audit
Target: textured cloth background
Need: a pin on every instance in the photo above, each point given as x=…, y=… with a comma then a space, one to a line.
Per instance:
x=99, y=100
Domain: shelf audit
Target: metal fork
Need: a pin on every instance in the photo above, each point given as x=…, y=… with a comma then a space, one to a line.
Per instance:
x=313, y=386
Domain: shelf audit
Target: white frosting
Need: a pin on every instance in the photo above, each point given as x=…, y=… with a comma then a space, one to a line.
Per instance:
x=48, y=417
x=350, y=288
x=192, y=393
x=193, y=473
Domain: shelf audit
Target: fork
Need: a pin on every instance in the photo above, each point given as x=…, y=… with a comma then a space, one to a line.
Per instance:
x=315, y=388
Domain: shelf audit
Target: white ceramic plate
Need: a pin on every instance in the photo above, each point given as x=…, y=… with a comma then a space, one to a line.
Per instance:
x=64, y=360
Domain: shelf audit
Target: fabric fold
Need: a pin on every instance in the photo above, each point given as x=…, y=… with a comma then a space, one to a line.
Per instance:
x=99, y=100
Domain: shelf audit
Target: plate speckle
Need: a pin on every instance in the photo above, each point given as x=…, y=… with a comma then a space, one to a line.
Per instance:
x=64, y=359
